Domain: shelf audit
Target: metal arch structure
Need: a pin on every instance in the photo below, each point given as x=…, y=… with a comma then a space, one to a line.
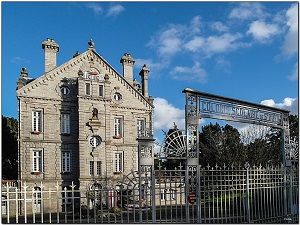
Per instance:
x=204, y=105
x=173, y=145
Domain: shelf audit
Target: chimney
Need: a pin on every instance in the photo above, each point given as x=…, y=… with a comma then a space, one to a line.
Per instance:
x=127, y=62
x=144, y=74
x=50, y=48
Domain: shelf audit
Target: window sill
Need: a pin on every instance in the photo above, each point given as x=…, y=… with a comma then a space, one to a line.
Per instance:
x=36, y=173
x=118, y=173
x=36, y=132
x=117, y=137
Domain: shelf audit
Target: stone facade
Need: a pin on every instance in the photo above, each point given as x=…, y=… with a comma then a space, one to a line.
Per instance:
x=80, y=121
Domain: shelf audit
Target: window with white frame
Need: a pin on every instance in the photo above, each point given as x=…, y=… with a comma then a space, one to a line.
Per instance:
x=118, y=127
x=163, y=194
x=37, y=165
x=95, y=165
x=65, y=123
x=88, y=89
x=140, y=126
x=118, y=162
x=91, y=168
x=98, y=169
x=37, y=121
x=66, y=161
x=101, y=90
x=37, y=196
x=173, y=194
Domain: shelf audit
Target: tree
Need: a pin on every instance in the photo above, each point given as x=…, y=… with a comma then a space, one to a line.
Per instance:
x=220, y=145
x=264, y=144
x=9, y=148
x=294, y=126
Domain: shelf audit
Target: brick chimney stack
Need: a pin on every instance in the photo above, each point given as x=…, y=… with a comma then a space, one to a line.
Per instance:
x=144, y=74
x=50, y=48
x=128, y=62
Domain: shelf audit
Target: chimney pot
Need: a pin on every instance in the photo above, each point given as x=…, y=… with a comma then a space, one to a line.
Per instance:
x=50, y=48
x=127, y=62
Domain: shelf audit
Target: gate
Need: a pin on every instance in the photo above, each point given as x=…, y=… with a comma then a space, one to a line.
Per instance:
x=192, y=194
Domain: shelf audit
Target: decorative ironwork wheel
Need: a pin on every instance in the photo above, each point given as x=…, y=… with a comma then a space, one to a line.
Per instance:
x=174, y=144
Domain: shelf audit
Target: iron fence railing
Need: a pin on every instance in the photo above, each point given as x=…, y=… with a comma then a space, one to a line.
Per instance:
x=224, y=195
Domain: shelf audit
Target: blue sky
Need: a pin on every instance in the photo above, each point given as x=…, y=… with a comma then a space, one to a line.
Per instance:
x=242, y=50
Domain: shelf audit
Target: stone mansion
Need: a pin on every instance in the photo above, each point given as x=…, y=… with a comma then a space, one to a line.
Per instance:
x=79, y=121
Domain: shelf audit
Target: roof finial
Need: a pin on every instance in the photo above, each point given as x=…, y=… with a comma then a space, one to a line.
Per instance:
x=91, y=44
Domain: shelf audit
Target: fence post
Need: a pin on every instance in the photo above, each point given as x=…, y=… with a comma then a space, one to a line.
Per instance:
x=73, y=201
x=57, y=202
x=25, y=204
x=17, y=204
x=42, y=202
x=7, y=202
x=247, y=166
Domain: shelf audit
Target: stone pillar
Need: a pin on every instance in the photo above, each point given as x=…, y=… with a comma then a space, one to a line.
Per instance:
x=127, y=62
x=144, y=74
x=50, y=48
x=146, y=167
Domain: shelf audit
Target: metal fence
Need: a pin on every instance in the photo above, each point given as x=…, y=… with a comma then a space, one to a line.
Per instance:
x=224, y=195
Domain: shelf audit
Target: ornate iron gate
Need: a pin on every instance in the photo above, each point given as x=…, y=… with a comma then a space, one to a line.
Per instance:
x=204, y=105
x=189, y=204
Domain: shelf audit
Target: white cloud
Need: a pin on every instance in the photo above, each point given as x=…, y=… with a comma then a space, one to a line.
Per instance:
x=96, y=8
x=295, y=73
x=214, y=44
x=139, y=63
x=193, y=74
x=175, y=38
x=223, y=65
x=290, y=45
x=165, y=114
x=114, y=10
x=225, y=42
x=219, y=26
x=262, y=31
x=247, y=10
x=195, y=25
x=290, y=104
x=19, y=60
x=169, y=41
x=195, y=44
